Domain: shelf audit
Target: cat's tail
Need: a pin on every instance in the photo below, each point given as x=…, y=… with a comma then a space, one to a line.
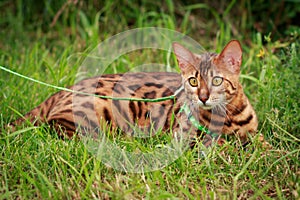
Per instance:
x=34, y=117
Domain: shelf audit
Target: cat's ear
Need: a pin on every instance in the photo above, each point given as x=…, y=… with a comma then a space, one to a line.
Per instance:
x=185, y=58
x=231, y=56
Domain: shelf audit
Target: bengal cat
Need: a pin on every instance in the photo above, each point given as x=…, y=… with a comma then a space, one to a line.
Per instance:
x=208, y=85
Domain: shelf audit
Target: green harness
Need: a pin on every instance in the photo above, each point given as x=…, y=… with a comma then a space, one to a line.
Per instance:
x=196, y=123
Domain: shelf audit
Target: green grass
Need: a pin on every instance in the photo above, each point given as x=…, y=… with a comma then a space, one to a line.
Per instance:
x=36, y=164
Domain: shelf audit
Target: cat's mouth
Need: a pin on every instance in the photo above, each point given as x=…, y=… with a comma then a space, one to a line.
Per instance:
x=206, y=107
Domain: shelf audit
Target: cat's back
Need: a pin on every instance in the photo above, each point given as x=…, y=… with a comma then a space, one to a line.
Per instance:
x=140, y=84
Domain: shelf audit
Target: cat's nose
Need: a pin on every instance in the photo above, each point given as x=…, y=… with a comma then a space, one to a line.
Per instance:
x=203, y=98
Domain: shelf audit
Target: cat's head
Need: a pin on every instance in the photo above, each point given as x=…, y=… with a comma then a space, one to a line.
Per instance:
x=210, y=79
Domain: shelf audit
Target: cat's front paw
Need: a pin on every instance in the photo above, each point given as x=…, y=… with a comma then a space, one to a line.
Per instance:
x=208, y=140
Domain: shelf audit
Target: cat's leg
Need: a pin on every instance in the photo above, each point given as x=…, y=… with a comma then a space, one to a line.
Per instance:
x=184, y=131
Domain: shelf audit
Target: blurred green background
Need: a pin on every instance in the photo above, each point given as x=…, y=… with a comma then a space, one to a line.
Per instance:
x=206, y=21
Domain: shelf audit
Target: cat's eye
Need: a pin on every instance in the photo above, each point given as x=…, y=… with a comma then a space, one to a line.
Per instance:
x=193, y=82
x=217, y=81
